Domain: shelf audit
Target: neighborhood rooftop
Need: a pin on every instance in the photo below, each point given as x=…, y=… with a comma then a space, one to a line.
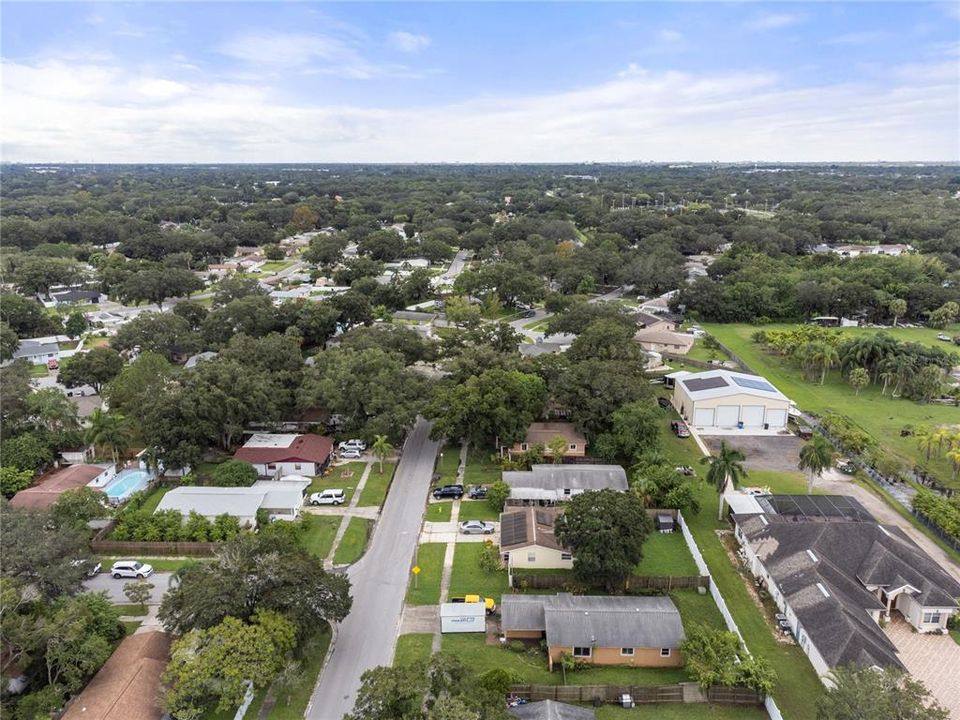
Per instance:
x=718, y=383
x=575, y=477
x=237, y=501
x=527, y=526
x=266, y=448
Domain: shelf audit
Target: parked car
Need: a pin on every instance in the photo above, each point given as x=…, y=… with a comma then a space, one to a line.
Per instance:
x=684, y=470
x=328, y=497
x=131, y=569
x=350, y=444
x=680, y=429
x=52, y=364
x=945, y=338
x=476, y=527
x=351, y=453
x=91, y=568
x=847, y=467
x=528, y=313
x=489, y=603
x=448, y=491
x=663, y=402
x=478, y=492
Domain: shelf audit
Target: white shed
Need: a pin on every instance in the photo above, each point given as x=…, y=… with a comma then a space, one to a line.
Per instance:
x=463, y=617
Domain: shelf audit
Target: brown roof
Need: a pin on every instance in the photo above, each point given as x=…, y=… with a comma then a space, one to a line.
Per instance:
x=306, y=448
x=128, y=685
x=664, y=337
x=543, y=432
x=46, y=492
x=528, y=526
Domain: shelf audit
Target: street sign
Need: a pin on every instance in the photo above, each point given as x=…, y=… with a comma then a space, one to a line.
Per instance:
x=416, y=570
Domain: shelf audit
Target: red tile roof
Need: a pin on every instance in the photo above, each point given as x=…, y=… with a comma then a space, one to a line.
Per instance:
x=46, y=492
x=305, y=448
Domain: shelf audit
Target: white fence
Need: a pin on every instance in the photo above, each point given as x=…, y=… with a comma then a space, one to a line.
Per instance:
x=772, y=710
x=245, y=705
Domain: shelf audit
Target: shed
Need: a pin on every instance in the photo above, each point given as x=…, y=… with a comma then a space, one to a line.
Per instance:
x=664, y=523
x=725, y=400
x=463, y=617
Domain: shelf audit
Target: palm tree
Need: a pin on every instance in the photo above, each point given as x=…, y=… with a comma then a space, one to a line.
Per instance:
x=859, y=378
x=905, y=367
x=725, y=467
x=888, y=376
x=381, y=448
x=954, y=457
x=825, y=357
x=815, y=457
x=897, y=308
x=109, y=430
x=925, y=440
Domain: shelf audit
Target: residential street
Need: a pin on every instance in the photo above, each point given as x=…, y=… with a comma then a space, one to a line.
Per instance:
x=114, y=588
x=541, y=314
x=368, y=635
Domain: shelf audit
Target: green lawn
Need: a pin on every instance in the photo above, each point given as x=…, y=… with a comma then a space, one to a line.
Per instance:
x=531, y=665
x=130, y=626
x=424, y=589
x=354, y=541
x=881, y=417
x=467, y=577
x=447, y=464
x=154, y=497
x=785, y=483
x=39, y=371
x=682, y=711
x=697, y=609
x=320, y=533
x=477, y=510
x=291, y=702
x=439, y=511
x=275, y=266
x=342, y=477
x=666, y=554
x=131, y=609
x=413, y=647
x=704, y=354
x=479, y=470
x=375, y=491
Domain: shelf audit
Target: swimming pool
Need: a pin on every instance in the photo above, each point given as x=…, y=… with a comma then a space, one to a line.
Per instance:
x=126, y=483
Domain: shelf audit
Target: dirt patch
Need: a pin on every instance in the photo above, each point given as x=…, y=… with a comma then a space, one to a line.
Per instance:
x=780, y=453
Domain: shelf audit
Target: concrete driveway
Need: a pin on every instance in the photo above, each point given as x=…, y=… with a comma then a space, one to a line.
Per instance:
x=114, y=588
x=933, y=659
x=780, y=453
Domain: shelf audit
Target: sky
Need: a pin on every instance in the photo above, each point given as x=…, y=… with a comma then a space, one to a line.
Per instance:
x=218, y=82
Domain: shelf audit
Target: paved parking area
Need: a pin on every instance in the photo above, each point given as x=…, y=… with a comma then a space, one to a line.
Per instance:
x=764, y=452
x=114, y=588
x=934, y=659
x=420, y=619
x=448, y=532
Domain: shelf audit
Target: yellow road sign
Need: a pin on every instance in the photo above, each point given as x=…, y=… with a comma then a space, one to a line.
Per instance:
x=415, y=570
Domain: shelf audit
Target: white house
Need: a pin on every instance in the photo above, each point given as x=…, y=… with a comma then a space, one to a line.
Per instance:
x=548, y=484
x=726, y=400
x=286, y=454
x=39, y=351
x=283, y=499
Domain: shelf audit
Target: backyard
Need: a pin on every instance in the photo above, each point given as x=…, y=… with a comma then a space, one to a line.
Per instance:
x=354, y=541
x=666, y=554
x=682, y=711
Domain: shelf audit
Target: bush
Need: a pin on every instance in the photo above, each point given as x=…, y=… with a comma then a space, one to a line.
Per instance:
x=497, y=495
x=234, y=473
x=943, y=513
x=517, y=646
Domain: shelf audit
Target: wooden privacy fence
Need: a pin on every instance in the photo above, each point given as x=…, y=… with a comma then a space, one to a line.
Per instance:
x=640, y=694
x=635, y=582
x=133, y=547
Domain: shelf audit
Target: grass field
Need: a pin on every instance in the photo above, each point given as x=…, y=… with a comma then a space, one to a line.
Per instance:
x=881, y=417
x=413, y=647
x=38, y=371
x=131, y=609
x=154, y=498
x=479, y=470
x=342, y=477
x=697, y=609
x=319, y=536
x=375, y=491
x=447, y=464
x=275, y=266
x=468, y=578
x=130, y=626
x=681, y=711
x=477, y=510
x=666, y=554
x=291, y=701
x=354, y=541
x=424, y=589
x=439, y=511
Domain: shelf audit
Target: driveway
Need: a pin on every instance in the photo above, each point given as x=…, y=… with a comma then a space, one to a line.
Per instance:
x=114, y=588
x=763, y=452
x=933, y=659
x=367, y=637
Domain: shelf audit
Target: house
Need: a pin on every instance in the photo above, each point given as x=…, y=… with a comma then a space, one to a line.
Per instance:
x=548, y=484
x=39, y=351
x=527, y=539
x=548, y=345
x=551, y=710
x=283, y=499
x=656, y=340
x=542, y=433
x=49, y=489
x=195, y=360
x=600, y=629
x=851, y=251
x=77, y=456
x=648, y=321
x=722, y=399
x=287, y=454
x=76, y=296
x=658, y=305
x=128, y=685
x=837, y=575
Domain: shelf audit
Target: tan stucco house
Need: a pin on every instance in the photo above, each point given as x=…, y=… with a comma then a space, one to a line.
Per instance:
x=542, y=433
x=527, y=540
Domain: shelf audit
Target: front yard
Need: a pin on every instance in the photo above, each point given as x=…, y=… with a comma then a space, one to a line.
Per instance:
x=375, y=491
x=477, y=510
x=319, y=534
x=467, y=577
x=439, y=511
x=411, y=648
x=480, y=470
x=354, y=541
x=342, y=477
x=424, y=589
x=447, y=464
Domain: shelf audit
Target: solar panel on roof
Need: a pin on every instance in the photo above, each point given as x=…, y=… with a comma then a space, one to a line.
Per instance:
x=544, y=518
x=754, y=383
x=710, y=383
x=513, y=528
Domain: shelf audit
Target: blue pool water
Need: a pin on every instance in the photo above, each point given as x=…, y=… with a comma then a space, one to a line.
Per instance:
x=126, y=484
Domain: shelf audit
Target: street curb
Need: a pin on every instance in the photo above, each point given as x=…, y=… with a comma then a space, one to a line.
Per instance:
x=326, y=660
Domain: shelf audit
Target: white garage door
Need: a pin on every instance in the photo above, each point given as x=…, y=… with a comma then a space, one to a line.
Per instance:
x=777, y=418
x=752, y=415
x=728, y=415
x=703, y=417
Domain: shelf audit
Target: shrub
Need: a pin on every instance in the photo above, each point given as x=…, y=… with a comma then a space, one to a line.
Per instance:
x=234, y=473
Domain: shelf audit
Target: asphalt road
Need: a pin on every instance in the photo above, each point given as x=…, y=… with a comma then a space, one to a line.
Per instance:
x=541, y=314
x=114, y=588
x=368, y=636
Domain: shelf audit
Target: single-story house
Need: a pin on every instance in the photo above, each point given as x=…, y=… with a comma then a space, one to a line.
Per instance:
x=74, y=296
x=527, y=539
x=41, y=350
x=128, y=685
x=548, y=345
x=657, y=340
x=280, y=498
x=599, y=629
x=658, y=305
x=287, y=454
x=837, y=577
x=722, y=399
x=194, y=360
x=649, y=321
x=551, y=710
x=548, y=484
x=542, y=433
x=46, y=492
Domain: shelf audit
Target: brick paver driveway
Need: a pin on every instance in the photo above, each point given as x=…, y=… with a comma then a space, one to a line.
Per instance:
x=934, y=659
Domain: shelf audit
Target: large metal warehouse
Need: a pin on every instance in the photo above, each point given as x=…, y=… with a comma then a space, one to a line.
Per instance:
x=722, y=400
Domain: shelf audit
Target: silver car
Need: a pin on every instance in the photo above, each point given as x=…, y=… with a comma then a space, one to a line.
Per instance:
x=476, y=527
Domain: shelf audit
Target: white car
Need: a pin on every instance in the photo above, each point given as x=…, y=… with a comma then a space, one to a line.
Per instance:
x=476, y=527
x=328, y=497
x=131, y=569
x=351, y=453
x=351, y=444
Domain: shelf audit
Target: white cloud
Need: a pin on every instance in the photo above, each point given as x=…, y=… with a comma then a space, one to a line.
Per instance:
x=862, y=37
x=407, y=42
x=60, y=112
x=773, y=21
x=670, y=36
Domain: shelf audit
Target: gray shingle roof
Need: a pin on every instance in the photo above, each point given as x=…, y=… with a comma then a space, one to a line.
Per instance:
x=29, y=348
x=551, y=710
x=574, y=476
